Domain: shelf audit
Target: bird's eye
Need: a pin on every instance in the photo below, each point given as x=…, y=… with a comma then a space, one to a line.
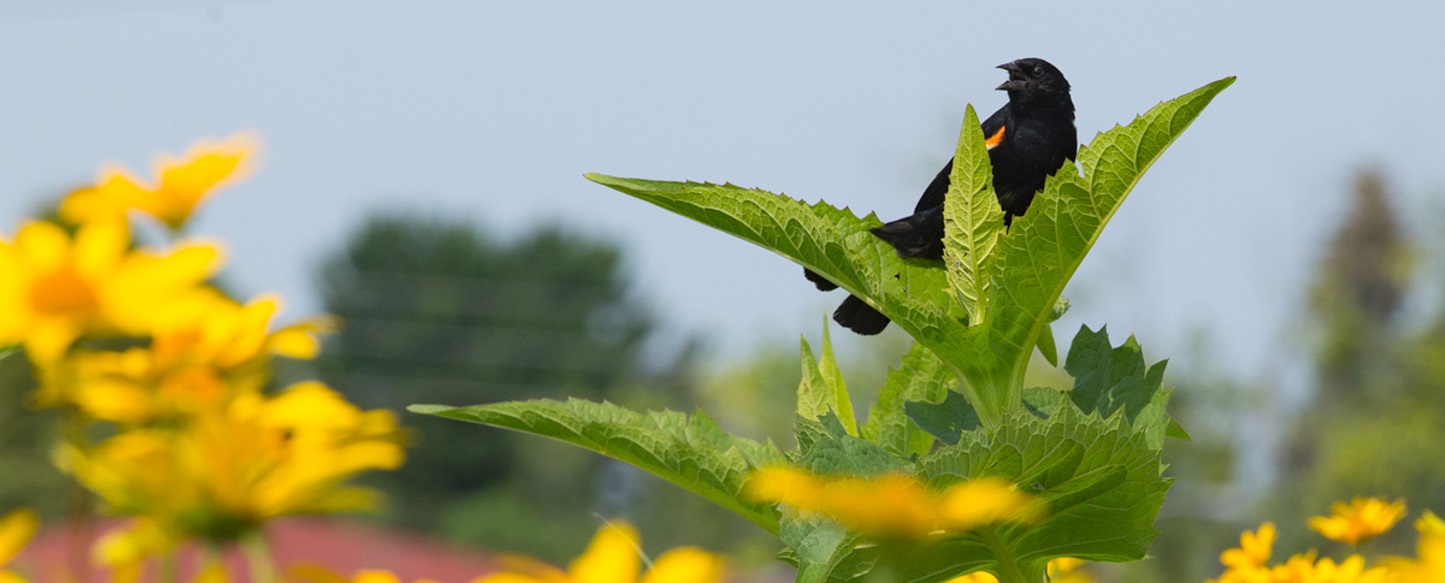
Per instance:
x=1037, y=71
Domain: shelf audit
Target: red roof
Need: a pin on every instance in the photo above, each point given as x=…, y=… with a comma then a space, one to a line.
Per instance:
x=341, y=546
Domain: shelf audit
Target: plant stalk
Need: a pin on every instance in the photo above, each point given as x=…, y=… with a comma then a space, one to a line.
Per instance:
x=1009, y=570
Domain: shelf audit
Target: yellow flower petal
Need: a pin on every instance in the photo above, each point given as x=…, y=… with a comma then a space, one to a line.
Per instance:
x=214, y=572
x=44, y=245
x=896, y=505
x=685, y=565
x=1254, y=549
x=181, y=184
x=113, y=193
x=612, y=557
x=1359, y=520
x=522, y=569
x=99, y=247
x=986, y=500
x=375, y=577
x=974, y=577
x=16, y=530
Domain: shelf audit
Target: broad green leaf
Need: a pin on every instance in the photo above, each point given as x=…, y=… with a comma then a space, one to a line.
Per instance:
x=825, y=447
x=921, y=377
x=1107, y=379
x=944, y=420
x=830, y=241
x=692, y=452
x=1044, y=248
x=972, y=220
x=822, y=551
x=1100, y=477
x=822, y=389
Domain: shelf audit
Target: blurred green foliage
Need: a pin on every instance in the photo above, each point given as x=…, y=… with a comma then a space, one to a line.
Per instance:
x=1375, y=422
x=26, y=437
x=435, y=311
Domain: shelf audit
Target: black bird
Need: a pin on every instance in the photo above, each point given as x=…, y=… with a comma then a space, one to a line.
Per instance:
x=1028, y=140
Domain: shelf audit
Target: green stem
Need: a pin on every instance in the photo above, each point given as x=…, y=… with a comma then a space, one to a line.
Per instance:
x=258, y=557
x=1009, y=570
x=990, y=415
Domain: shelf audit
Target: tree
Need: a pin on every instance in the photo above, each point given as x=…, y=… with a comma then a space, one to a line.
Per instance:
x=434, y=311
x=1375, y=420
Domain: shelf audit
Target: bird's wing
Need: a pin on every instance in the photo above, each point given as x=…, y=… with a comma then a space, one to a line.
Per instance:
x=994, y=129
x=933, y=195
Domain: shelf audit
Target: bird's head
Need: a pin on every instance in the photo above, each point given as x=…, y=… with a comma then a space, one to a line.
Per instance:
x=1033, y=78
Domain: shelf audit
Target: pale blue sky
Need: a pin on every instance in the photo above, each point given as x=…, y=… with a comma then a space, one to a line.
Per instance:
x=495, y=111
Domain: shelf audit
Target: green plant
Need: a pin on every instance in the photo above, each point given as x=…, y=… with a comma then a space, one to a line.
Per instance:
x=956, y=408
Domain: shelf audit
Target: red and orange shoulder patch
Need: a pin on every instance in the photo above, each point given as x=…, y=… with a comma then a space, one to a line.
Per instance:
x=996, y=138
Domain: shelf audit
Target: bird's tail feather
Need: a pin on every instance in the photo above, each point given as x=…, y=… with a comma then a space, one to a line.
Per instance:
x=856, y=315
x=821, y=282
x=917, y=235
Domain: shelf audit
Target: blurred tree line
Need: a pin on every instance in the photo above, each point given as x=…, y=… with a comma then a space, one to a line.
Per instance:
x=1372, y=424
x=436, y=311
x=1376, y=421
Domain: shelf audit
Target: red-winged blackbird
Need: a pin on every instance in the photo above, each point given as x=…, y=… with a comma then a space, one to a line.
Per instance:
x=1028, y=139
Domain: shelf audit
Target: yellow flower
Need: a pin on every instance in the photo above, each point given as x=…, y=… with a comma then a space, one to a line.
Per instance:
x=974, y=577
x=613, y=557
x=1254, y=549
x=896, y=505
x=1429, y=562
x=16, y=530
x=1068, y=570
x=55, y=288
x=1362, y=519
x=196, y=359
x=182, y=184
x=125, y=549
x=1325, y=570
x=230, y=469
x=1247, y=564
x=1060, y=570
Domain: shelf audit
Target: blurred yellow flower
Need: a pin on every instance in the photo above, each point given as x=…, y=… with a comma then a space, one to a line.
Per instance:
x=614, y=556
x=196, y=359
x=16, y=530
x=1360, y=520
x=231, y=468
x=181, y=185
x=57, y=287
x=125, y=550
x=1068, y=570
x=1254, y=549
x=974, y=577
x=1429, y=562
x=1060, y=570
x=1249, y=564
x=896, y=505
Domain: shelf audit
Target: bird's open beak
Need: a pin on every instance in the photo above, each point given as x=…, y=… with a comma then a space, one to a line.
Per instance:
x=1013, y=75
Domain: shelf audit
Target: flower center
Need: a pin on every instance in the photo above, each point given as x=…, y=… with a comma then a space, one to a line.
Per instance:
x=63, y=293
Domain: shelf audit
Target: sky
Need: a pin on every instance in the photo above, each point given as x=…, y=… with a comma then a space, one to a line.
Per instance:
x=494, y=111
